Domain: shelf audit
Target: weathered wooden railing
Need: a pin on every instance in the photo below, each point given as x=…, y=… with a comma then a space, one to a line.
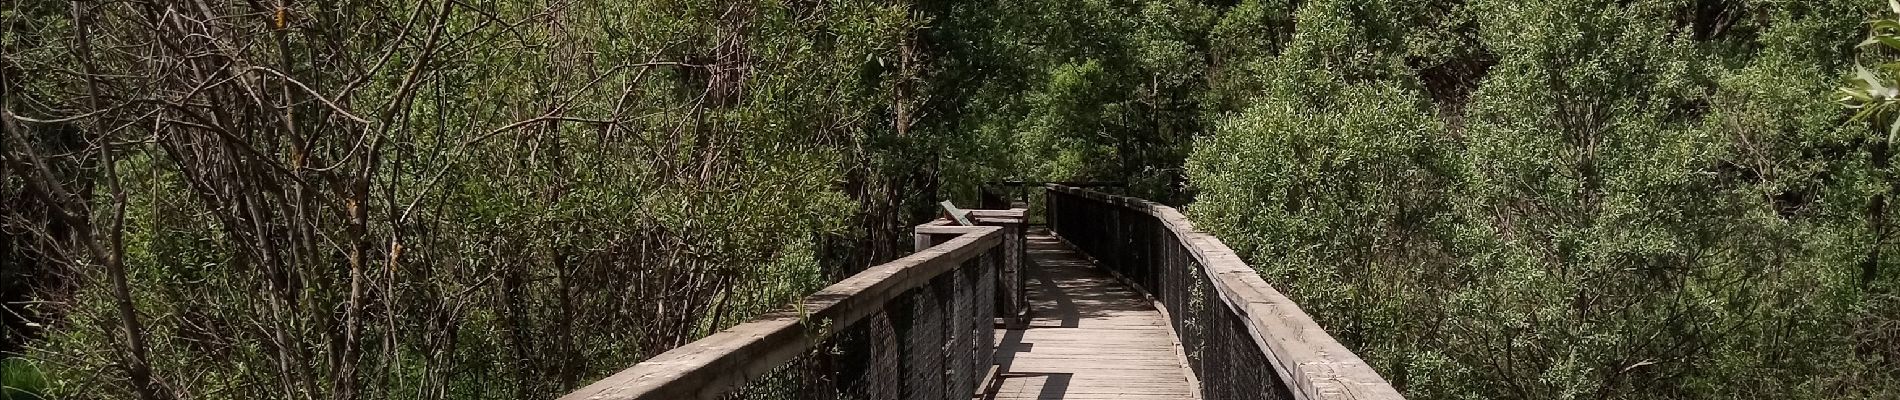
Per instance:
x=1243, y=338
x=920, y=327
x=1012, y=301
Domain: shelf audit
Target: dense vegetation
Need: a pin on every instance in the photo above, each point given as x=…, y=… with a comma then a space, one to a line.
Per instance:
x=435, y=199
x=500, y=199
x=1567, y=199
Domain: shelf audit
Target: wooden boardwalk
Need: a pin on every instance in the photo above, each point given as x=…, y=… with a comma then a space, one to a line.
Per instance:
x=1088, y=335
x=1091, y=337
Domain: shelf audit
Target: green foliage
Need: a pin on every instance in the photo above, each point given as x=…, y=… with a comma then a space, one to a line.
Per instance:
x=20, y=379
x=506, y=259
x=1067, y=90
x=1869, y=92
x=1533, y=199
x=1561, y=199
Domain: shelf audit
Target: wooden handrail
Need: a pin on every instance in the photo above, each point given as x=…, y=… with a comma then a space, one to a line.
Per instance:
x=1013, y=296
x=712, y=366
x=1315, y=365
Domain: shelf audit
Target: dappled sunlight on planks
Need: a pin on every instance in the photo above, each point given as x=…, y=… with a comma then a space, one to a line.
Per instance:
x=1090, y=337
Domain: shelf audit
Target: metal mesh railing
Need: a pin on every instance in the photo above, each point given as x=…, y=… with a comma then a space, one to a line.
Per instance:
x=1235, y=348
x=920, y=327
x=924, y=344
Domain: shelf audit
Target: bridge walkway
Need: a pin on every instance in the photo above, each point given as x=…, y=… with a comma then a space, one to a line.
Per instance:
x=1090, y=336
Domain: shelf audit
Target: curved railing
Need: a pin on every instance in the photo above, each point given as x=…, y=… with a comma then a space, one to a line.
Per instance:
x=918, y=327
x=1243, y=338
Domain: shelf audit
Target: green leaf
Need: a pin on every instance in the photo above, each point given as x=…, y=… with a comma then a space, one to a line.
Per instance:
x=1893, y=130
x=1869, y=81
x=1890, y=40
x=1853, y=94
x=1885, y=24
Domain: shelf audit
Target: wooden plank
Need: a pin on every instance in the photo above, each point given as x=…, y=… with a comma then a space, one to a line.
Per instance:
x=709, y=367
x=1090, y=337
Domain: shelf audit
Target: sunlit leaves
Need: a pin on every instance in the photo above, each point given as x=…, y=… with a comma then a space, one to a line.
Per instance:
x=1872, y=92
x=1587, y=213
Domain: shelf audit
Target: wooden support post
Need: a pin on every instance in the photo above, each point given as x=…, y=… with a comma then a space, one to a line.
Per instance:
x=1012, y=281
x=932, y=233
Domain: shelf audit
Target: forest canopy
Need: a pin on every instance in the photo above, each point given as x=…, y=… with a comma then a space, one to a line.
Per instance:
x=454, y=199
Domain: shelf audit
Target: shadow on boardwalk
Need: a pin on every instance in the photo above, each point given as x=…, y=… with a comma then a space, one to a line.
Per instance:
x=1090, y=337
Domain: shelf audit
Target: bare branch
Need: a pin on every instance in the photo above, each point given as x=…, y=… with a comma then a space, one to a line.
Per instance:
x=313, y=93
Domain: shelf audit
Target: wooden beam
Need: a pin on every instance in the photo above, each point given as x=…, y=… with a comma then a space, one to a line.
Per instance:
x=961, y=216
x=710, y=367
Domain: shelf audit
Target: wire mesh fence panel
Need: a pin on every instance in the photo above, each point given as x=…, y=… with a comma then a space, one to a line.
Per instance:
x=915, y=328
x=931, y=342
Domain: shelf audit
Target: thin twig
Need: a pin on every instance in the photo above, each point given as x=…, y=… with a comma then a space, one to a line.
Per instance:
x=313, y=93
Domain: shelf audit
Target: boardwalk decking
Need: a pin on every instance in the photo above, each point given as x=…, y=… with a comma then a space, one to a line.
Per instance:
x=1091, y=337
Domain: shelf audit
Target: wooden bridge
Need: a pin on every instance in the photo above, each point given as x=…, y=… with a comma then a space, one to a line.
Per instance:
x=1119, y=298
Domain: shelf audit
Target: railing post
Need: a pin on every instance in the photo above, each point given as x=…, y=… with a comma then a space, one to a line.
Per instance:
x=1050, y=212
x=1012, y=280
x=923, y=240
